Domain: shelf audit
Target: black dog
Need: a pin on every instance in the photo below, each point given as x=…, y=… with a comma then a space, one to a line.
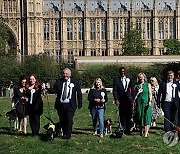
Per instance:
x=108, y=126
x=12, y=117
x=52, y=129
x=119, y=131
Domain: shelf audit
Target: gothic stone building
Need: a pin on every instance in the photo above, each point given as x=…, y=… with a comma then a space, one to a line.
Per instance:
x=62, y=28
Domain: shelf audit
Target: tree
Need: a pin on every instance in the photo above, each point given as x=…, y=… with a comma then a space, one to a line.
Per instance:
x=3, y=39
x=133, y=44
x=173, y=46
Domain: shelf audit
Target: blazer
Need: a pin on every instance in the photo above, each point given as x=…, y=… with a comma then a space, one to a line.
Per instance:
x=119, y=92
x=76, y=97
x=97, y=94
x=162, y=93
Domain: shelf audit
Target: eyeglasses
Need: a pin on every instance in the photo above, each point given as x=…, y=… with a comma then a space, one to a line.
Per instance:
x=151, y=80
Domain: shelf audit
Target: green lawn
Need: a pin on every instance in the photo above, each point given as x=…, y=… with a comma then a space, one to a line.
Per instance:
x=82, y=140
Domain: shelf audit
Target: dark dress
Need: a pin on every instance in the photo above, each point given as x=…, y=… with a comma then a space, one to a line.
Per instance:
x=19, y=103
x=34, y=109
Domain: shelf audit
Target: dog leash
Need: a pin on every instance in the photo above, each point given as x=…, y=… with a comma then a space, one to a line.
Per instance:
x=178, y=128
x=48, y=106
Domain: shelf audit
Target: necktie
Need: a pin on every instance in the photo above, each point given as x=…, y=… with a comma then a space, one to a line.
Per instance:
x=64, y=95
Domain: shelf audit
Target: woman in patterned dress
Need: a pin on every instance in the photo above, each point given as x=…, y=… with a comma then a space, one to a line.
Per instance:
x=155, y=109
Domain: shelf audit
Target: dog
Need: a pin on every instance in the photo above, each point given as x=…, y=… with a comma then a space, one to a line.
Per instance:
x=108, y=126
x=119, y=131
x=52, y=129
x=13, y=119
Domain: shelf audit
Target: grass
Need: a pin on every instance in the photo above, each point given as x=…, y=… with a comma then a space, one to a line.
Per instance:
x=82, y=140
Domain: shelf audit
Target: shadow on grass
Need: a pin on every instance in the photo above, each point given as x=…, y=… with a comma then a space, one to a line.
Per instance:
x=85, y=131
x=43, y=137
x=6, y=131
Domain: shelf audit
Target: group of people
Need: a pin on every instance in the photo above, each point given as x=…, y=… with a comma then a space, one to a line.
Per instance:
x=27, y=100
x=138, y=103
x=143, y=102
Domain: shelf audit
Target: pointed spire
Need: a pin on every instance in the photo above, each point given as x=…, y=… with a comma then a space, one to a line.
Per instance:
x=132, y=5
x=177, y=3
x=86, y=5
x=109, y=5
x=154, y=5
x=62, y=5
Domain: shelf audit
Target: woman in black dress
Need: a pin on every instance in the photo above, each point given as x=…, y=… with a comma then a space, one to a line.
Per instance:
x=35, y=103
x=20, y=100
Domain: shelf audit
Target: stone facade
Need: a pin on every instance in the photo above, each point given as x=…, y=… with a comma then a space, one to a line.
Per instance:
x=66, y=28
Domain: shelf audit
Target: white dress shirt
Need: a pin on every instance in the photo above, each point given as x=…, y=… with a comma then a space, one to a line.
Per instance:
x=67, y=92
x=169, y=92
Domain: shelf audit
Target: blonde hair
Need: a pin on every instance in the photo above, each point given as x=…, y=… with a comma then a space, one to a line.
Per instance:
x=94, y=84
x=145, y=78
x=155, y=83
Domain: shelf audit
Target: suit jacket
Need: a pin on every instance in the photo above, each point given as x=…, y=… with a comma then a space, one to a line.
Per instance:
x=76, y=94
x=119, y=92
x=162, y=93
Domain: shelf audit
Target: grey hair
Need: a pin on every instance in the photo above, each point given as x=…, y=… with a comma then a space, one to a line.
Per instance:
x=67, y=69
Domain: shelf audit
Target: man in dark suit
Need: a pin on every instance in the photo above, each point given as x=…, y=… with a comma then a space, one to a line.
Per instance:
x=68, y=93
x=178, y=80
x=122, y=94
x=168, y=99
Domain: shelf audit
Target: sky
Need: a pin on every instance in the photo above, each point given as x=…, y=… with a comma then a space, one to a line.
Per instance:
x=115, y=4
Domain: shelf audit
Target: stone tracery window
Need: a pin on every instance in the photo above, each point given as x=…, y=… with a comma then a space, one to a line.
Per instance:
x=92, y=30
x=69, y=30
x=57, y=30
x=46, y=30
x=103, y=30
x=81, y=53
x=115, y=30
x=58, y=55
x=93, y=52
x=126, y=26
x=138, y=24
x=161, y=29
x=149, y=30
x=80, y=30
x=171, y=29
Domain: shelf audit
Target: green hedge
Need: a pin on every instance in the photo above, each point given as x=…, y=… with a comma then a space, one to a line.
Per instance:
x=108, y=72
x=49, y=70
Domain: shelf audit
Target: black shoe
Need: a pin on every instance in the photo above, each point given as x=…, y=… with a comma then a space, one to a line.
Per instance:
x=65, y=137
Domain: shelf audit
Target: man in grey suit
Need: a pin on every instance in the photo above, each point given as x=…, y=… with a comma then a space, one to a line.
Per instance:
x=69, y=97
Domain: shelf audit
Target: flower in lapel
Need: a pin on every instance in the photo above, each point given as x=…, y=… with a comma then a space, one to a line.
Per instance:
x=102, y=94
x=127, y=80
x=156, y=88
x=174, y=87
x=71, y=85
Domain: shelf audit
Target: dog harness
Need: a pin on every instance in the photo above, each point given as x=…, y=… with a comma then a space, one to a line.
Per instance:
x=52, y=126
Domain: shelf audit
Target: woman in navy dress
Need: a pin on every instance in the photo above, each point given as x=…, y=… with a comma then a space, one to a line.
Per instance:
x=97, y=98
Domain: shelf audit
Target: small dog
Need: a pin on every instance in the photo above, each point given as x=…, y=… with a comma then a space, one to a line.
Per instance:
x=13, y=120
x=52, y=129
x=108, y=126
x=119, y=131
